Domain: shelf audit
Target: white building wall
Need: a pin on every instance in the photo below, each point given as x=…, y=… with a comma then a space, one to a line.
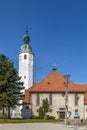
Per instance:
x=85, y=110
x=26, y=74
x=58, y=101
x=16, y=112
x=80, y=105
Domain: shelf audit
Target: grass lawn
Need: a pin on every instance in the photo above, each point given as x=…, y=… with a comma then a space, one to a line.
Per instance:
x=2, y=121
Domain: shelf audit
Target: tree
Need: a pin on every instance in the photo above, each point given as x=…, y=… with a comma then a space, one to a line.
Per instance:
x=44, y=108
x=41, y=112
x=10, y=85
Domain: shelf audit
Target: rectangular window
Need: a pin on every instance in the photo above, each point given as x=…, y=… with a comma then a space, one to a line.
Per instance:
x=76, y=99
x=25, y=57
x=24, y=76
x=50, y=99
x=38, y=99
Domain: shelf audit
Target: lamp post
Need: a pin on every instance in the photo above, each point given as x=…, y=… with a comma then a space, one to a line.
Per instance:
x=66, y=98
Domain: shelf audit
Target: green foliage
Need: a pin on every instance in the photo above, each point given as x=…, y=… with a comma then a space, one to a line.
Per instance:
x=3, y=116
x=35, y=117
x=43, y=109
x=50, y=117
x=4, y=121
x=45, y=105
x=41, y=112
x=10, y=85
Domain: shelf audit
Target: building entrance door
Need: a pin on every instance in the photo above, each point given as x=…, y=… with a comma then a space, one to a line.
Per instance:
x=62, y=115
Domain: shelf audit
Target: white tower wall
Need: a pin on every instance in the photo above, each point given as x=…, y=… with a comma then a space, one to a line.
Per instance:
x=26, y=69
x=26, y=73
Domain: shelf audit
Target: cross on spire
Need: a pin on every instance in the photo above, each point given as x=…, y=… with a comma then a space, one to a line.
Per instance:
x=26, y=29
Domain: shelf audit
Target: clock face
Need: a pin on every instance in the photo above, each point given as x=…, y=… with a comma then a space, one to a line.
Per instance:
x=30, y=57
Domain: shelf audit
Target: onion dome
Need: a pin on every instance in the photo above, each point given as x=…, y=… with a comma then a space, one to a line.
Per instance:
x=26, y=38
x=26, y=46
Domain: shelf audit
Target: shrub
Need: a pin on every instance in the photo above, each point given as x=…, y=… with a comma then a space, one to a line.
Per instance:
x=3, y=116
x=50, y=117
x=43, y=109
x=41, y=112
x=35, y=117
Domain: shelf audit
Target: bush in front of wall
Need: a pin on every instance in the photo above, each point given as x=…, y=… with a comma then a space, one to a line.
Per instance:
x=41, y=113
x=35, y=117
x=50, y=117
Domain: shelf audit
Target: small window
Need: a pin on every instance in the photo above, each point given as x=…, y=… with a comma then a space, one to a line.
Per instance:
x=25, y=57
x=38, y=99
x=76, y=99
x=50, y=99
x=27, y=107
x=25, y=77
x=63, y=94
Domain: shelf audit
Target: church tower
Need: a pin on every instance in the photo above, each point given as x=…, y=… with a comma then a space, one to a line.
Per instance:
x=26, y=57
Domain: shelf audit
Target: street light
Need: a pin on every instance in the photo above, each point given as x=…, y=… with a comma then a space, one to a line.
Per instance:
x=66, y=98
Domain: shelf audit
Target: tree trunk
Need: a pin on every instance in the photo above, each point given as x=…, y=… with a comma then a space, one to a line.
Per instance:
x=9, y=113
x=3, y=110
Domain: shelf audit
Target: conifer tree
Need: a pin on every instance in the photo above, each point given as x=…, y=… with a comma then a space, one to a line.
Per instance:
x=10, y=85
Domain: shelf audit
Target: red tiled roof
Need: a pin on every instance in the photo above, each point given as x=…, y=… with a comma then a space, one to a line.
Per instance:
x=55, y=83
x=27, y=98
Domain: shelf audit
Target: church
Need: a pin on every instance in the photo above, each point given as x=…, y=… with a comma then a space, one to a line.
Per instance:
x=52, y=87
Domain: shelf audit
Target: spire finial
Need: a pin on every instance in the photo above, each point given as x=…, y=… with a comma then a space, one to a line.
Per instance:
x=54, y=67
x=26, y=37
x=26, y=29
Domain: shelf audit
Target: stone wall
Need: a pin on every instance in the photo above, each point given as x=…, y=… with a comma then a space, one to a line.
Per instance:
x=58, y=104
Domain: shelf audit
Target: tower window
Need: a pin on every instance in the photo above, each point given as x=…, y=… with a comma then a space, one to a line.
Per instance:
x=25, y=77
x=25, y=57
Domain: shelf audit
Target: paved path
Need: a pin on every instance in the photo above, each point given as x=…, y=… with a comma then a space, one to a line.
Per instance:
x=39, y=126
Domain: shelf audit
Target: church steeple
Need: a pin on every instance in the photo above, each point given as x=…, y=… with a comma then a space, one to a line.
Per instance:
x=26, y=47
x=26, y=37
x=26, y=57
x=26, y=64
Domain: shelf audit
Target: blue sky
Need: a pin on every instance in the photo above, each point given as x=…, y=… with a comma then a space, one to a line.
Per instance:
x=58, y=32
